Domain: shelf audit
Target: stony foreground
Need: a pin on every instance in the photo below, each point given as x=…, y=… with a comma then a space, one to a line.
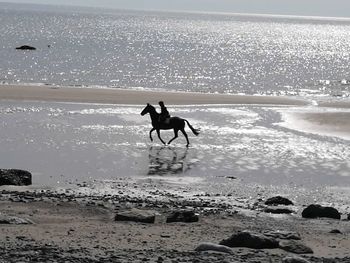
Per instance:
x=69, y=229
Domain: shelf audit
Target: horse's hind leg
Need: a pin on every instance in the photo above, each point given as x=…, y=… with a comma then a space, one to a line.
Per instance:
x=185, y=134
x=175, y=132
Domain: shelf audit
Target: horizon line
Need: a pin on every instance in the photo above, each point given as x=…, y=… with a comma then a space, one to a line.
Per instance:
x=265, y=15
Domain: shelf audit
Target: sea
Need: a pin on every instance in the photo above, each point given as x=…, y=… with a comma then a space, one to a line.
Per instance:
x=243, y=151
x=211, y=53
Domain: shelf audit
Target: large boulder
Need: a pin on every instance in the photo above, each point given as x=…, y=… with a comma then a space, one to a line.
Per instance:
x=15, y=177
x=278, y=200
x=206, y=246
x=250, y=240
x=136, y=215
x=314, y=211
x=186, y=216
x=25, y=47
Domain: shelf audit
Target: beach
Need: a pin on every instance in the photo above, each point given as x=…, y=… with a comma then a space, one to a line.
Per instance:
x=225, y=182
x=84, y=178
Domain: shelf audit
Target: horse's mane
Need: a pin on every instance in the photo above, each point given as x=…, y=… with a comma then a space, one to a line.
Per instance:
x=152, y=107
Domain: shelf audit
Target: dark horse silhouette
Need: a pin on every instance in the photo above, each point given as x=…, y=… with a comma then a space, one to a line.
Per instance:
x=175, y=123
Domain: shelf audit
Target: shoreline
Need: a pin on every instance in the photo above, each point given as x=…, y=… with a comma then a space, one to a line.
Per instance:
x=83, y=229
x=306, y=120
x=134, y=97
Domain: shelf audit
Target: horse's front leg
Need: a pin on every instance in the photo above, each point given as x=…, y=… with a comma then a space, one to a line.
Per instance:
x=150, y=134
x=175, y=136
x=158, y=132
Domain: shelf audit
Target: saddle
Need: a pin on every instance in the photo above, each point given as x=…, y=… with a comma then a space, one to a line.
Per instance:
x=165, y=121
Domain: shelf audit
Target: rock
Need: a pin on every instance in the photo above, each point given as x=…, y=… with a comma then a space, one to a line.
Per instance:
x=250, y=240
x=278, y=200
x=277, y=210
x=314, y=211
x=186, y=216
x=13, y=220
x=15, y=177
x=294, y=260
x=295, y=247
x=25, y=47
x=136, y=215
x=283, y=235
x=335, y=231
x=206, y=246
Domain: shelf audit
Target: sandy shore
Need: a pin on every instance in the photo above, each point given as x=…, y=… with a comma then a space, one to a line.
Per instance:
x=322, y=123
x=138, y=97
x=83, y=229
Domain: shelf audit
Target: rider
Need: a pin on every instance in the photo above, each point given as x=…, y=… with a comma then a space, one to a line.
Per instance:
x=164, y=114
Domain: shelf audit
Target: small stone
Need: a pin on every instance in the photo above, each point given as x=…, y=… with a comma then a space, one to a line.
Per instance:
x=13, y=220
x=277, y=210
x=287, y=235
x=250, y=240
x=335, y=231
x=25, y=47
x=295, y=247
x=206, y=246
x=294, y=260
x=186, y=216
x=136, y=215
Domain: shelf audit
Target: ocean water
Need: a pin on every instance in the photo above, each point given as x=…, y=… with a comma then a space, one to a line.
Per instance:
x=175, y=51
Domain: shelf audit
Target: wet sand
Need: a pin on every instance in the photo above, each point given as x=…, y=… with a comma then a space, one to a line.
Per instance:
x=327, y=123
x=136, y=97
x=321, y=123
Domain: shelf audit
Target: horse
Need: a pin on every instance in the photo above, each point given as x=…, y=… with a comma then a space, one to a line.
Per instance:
x=175, y=123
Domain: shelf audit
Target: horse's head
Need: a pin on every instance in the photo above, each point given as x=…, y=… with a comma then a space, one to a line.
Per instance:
x=147, y=109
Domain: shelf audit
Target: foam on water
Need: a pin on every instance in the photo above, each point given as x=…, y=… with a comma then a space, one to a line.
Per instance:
x=309, y=120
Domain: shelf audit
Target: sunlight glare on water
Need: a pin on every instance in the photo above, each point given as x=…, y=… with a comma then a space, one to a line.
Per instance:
x=174, y=51
x=77, y=142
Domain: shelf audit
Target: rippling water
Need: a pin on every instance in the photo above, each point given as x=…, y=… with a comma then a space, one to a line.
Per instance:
x=76, y=142
x=175, y=51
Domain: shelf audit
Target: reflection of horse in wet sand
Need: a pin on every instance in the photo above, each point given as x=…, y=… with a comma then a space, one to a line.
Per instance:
x=175, y=123
x=164, y=160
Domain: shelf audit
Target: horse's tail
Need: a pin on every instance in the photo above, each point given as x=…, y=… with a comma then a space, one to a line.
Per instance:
x=195, y=131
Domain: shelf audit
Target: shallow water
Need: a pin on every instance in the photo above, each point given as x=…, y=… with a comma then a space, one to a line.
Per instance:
x=175, y=51
x=62, y=143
